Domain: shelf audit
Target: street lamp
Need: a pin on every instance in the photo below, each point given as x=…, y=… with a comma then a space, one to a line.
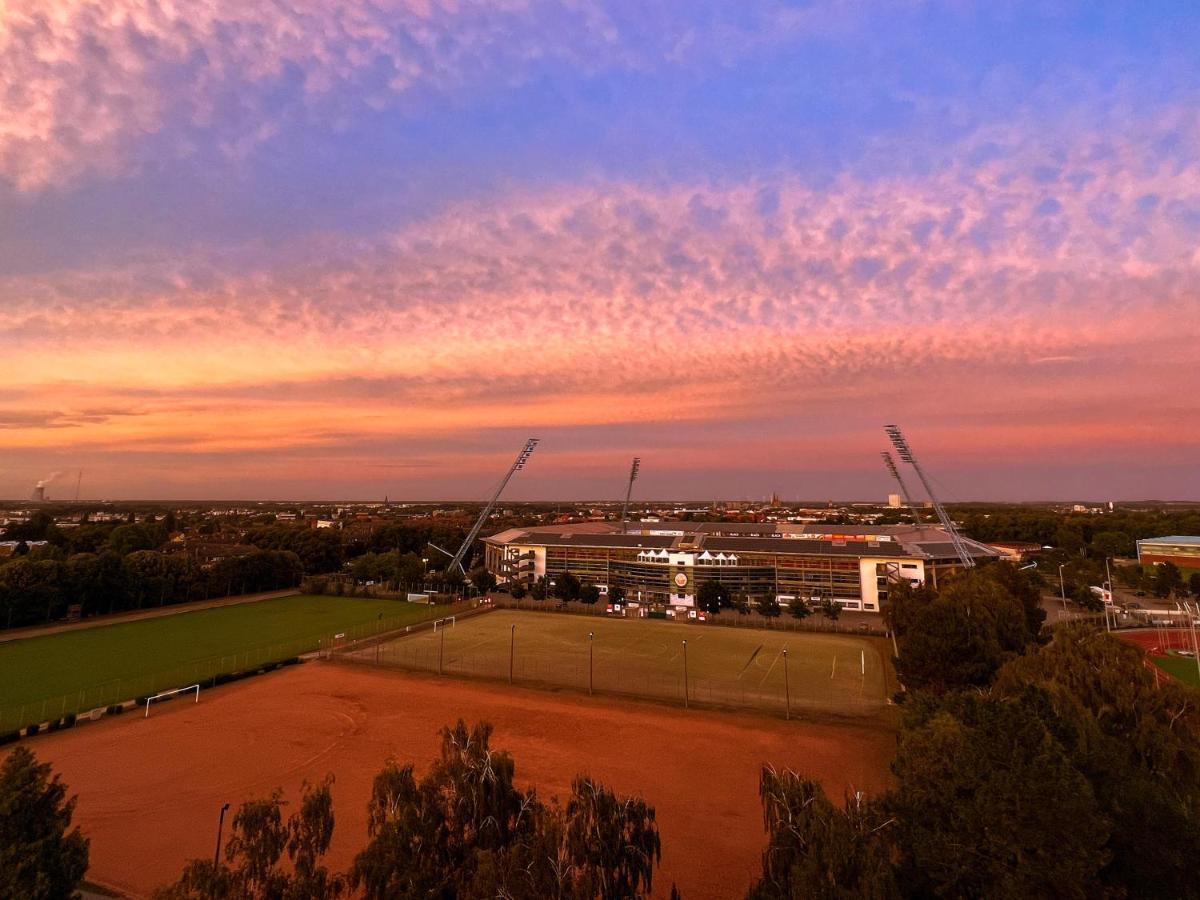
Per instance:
x=685, y=676
x=787, y=688
x=1062, y=586
x=220, y=828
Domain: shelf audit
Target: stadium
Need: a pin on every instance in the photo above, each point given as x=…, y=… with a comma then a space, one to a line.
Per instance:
x=663, y=564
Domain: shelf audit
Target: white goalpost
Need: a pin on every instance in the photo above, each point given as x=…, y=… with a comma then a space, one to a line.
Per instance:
x=442, y=623
x=162, y=695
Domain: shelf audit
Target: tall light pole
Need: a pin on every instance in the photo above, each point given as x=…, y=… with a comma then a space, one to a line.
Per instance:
x=456, y=561
x=512, y=646
x=633, y=474
x=1062, y=586
x=591, y=647
x=900, y=443
x=685, y=676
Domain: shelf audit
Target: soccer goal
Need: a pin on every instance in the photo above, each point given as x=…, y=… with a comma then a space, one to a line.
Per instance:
x=163, y=695
x=442, y=623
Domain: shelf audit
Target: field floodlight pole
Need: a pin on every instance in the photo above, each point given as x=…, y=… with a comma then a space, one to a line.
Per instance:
x=1062, y=586
x=895, y=473
x=905, y=452
x=591, y=648
x=512, y=647
x=522, y=458
x=633, y=474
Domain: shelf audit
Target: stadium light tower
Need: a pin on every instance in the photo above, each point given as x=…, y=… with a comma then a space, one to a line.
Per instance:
x=905, y=452
x=522, y=458
x=895, y=473
x=633, y=474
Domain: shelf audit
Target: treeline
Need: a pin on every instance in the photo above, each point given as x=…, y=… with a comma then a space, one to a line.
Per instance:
x=1026, y=767
x=107, y=568
x=1109, y=534
x=36, y=589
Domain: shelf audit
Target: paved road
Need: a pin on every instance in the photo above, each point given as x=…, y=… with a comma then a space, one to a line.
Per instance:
x=17, y=634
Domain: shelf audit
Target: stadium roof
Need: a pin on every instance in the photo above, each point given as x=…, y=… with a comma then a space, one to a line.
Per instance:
x=920, y=541
x=1173, y=539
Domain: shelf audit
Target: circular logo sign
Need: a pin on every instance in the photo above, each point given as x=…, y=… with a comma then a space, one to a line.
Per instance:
x=681, y=580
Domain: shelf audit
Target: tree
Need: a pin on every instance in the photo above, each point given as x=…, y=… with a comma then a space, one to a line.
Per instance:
x=539, y=589
x=589, y=594
x=712, y=597
x=517, y=589
x=769, y=607
x=831, y=609
x=260, y=838
x=798, y=608
x=1194, y=584
x=1136, y=740
x=567, y=587
x=482, y=580
x=616, y=593
x=1167, y=578
x=815, y=850
x=41, y=856
x=1069, y=539
x=1087, y=598
x=959, y=637
x=946, y=649
x=466, y=830
x=984, y=787
x=1112, y=544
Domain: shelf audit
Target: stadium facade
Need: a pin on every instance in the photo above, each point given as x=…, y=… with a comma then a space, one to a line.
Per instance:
x=663, y=563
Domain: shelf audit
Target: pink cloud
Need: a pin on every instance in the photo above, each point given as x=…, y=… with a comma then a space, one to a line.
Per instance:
x=83, y=83
x=962, y=301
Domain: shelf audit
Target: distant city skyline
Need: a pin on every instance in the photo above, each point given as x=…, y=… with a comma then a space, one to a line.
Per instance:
x=367, y=248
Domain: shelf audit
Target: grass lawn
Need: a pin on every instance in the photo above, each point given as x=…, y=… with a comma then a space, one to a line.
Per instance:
x=78, y=670
x=1182, y=667
x=642, y=657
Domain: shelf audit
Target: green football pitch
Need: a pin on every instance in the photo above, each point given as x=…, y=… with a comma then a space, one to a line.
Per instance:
x=1182, y=667
x=740, y=667
x=73, y=671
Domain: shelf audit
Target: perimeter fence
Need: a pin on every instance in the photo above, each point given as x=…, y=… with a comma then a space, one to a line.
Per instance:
x=792, y=685
x=853, y=623
x=94, y=700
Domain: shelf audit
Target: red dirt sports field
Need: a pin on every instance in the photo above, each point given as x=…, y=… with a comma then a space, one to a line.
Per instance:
x=150, y=789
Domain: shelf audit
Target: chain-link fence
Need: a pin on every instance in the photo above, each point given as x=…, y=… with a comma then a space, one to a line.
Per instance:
x=836, y=676
x=848, y=622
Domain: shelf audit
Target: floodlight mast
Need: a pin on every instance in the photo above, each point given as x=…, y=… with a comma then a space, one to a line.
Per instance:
x=633, y=474
x=905, y=452
x=895, y=473
x=522, y=458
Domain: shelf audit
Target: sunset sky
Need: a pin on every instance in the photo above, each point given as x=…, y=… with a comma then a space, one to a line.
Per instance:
x=342, y=250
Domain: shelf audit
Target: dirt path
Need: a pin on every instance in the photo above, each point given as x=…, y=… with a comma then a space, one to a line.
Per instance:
x=150, y=789
x=17, y=634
